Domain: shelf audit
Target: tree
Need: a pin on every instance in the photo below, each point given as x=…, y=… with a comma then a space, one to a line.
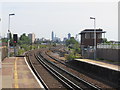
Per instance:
x=71, y=43
x=76, y=48
x=104, y=40
x=24, y=39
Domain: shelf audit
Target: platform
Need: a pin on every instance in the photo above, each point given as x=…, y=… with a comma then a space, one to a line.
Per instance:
x=16, y=74
x=101, y=64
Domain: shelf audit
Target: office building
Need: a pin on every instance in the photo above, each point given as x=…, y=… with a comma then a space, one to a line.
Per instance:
x=69, y=35
x=52, y=36
x=31, y=37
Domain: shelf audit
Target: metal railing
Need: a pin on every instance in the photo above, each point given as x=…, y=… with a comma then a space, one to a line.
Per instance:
x=109, y=46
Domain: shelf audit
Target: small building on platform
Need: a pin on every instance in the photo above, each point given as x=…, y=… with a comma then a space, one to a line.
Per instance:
x=87, y=41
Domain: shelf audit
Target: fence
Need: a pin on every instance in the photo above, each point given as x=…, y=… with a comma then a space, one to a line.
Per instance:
x=109, y=46
x=108, y=54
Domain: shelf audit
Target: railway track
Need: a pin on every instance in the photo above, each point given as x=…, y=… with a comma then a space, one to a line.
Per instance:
x=59, y=76
x=70, y=80
x=78, y=72
x=36, y=73
x=47, y=80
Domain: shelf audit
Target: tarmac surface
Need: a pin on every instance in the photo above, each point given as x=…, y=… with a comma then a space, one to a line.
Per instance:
x=16, y=74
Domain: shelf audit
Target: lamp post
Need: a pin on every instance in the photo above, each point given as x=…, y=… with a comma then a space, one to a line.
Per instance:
x=9, y=33
x=94, y=37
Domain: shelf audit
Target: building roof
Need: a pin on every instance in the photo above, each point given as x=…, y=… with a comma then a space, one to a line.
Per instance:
x=92, y=30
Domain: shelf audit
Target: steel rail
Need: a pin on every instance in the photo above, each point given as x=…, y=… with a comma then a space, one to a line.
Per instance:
x=58, y=60
x=63, y=79
x=74, y=76
x=37, y=74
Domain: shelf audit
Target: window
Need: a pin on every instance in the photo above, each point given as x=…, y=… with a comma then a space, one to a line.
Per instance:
x=87, y=35
x=99, y=35
x=92, y=35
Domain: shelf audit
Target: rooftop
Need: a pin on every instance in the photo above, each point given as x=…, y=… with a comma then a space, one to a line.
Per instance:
x=92, y=30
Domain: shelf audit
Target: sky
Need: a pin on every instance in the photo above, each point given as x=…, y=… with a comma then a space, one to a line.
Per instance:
x=42, y=18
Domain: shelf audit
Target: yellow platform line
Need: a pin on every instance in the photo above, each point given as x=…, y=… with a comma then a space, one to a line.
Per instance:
x=15, y=73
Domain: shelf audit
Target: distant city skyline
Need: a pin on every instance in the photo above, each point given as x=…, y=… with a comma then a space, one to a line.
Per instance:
x=61, y=17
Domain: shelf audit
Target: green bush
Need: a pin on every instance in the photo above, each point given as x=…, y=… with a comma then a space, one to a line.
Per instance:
x=70, y=57
x=25, y=47
x=42, y=46
x=11, y=54
x=21, y=51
